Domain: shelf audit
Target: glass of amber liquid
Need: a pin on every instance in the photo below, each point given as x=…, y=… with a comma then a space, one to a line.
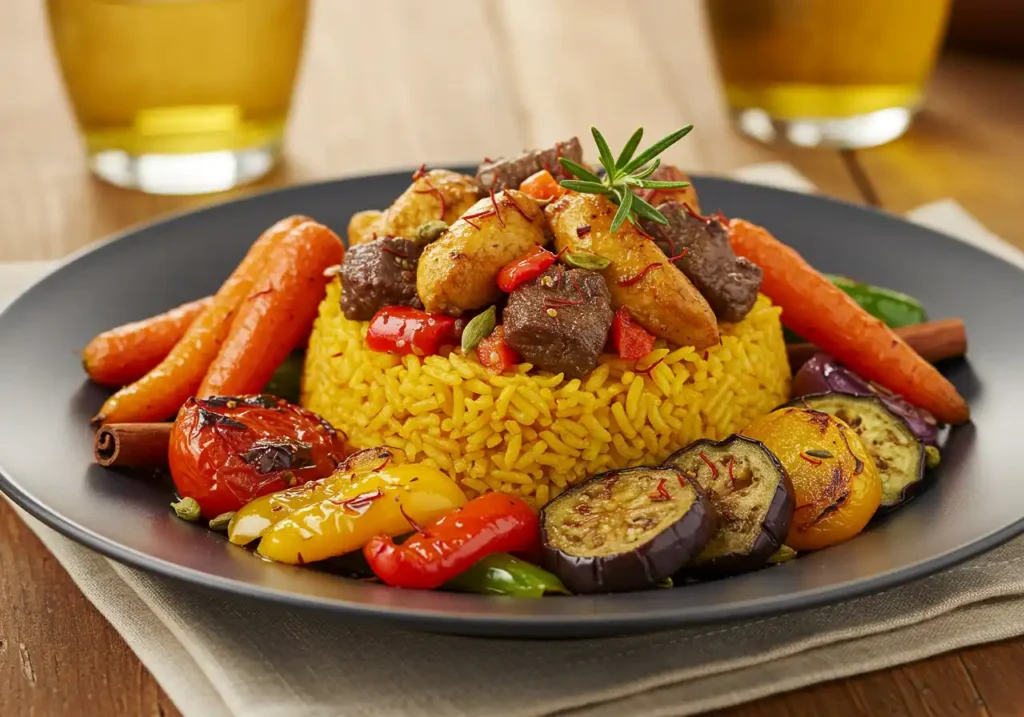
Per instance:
x=835, y=73
x=179, y=96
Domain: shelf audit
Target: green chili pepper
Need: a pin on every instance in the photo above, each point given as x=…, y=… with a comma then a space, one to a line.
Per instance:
x=502, y=574
x=287, y=378
x=894, y=308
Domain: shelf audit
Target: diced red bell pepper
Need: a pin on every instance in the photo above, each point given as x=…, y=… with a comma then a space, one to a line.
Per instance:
x=495, y=354
x=529, y=266
x=405, y=330
x=631, y=340
x=492, y=523
x=542, y=187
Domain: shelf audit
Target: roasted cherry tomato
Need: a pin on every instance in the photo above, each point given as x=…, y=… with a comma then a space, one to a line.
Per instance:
x=225, y=451
x=405, y=330
x=836, y=483
x=529, y=266
x=495, y=354
x=631, y=340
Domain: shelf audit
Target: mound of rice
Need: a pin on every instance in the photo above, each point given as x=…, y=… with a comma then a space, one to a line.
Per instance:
x=530, y=433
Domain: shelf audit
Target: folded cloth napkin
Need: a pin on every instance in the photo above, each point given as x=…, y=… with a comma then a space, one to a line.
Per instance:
x=227, y=657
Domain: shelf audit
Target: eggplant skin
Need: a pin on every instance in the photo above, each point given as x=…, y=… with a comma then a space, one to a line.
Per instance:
x=774, y=526
x=896, y=490
x=641, y=567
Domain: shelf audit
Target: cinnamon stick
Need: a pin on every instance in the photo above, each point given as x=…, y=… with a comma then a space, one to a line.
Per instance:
x=132, y=445
x=933, y=340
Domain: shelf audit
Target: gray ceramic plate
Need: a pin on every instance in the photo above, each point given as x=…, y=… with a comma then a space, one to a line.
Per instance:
x=974, y=501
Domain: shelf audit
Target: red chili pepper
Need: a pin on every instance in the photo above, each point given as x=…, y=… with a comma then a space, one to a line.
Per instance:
x=631, y=340
x=529, y=266
x=405, y=330
x=495, y=354
x=492, y=523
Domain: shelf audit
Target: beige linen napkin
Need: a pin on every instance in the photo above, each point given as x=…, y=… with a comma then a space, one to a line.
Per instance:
x=226, y=657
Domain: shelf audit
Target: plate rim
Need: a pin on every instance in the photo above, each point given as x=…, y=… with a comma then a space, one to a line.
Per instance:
x=424, y=618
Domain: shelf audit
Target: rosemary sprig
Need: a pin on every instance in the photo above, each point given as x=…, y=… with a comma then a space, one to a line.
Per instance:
x=624, y=174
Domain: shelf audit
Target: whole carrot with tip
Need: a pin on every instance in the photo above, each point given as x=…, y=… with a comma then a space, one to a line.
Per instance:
x=826, y=316
x=278, y=314
x=127, y=353
x=161, y=392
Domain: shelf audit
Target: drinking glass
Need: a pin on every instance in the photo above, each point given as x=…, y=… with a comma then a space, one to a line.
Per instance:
x=179, y=96
x=838, y=73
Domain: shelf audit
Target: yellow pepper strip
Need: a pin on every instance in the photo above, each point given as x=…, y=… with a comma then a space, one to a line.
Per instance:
x=374, y=504
x=256, y=516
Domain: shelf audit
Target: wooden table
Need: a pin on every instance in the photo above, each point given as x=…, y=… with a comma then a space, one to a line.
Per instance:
x=383, y=87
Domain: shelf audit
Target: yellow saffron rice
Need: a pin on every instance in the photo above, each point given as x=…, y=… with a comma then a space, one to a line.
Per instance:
x=530, y=433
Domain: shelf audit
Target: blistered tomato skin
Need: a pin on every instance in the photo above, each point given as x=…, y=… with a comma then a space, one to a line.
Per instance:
x=226, y=451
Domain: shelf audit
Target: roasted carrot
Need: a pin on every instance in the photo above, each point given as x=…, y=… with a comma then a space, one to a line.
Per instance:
x=279, y=313
x=826, y=316
x=127, y=353
x=542, y=186
x=161, y=392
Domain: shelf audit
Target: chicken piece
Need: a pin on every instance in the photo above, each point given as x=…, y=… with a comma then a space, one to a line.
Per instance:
x=459, y=271
x=437, y=194
x=364, y=226
x=639, y=277
x=670, y=173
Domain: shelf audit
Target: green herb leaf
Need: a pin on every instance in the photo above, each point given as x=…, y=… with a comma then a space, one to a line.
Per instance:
x=648, y=170
x=578, y=170
x=625, y=174
x=607, y=159
x=479, y=328
x=625, y=201
x=645, y=210
x=655, y=149
x=627, y=152
x=658, y=184
x=587, y=187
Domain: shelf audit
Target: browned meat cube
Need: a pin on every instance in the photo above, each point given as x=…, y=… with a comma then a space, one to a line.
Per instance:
x=379, y=273
x=559, y=321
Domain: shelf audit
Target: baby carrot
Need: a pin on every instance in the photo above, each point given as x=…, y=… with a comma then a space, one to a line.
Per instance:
x=127, y=353
x=161, y=392
x=278, y=314
x=825, y=315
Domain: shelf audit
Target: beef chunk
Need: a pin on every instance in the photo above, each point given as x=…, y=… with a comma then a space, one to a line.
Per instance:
x=379, y=273
x=559, y=321
x=510, y=173
x=729, y=283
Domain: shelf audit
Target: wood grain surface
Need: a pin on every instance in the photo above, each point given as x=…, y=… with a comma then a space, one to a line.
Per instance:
x=384, y=86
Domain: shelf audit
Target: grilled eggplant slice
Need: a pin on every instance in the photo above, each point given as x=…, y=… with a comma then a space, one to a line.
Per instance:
x=898, y=453
x=753, y=497
x=625, y=530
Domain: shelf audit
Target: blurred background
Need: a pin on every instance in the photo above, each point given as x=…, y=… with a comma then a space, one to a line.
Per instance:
x=198, y=97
